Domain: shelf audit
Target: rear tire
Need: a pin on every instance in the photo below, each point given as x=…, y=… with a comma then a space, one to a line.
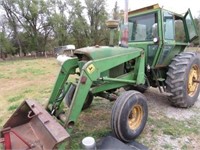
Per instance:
x=182, y=77
x=69, y=96
x=88, y=101
x=140, y=88
x=129, y=115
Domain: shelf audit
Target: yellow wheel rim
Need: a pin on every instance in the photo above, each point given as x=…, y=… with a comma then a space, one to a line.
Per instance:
x=135, y=117
x=193, y=80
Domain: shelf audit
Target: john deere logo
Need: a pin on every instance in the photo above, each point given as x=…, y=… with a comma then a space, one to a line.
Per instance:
x=90, y=69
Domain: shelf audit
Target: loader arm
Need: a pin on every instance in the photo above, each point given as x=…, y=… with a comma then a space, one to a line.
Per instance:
x=91, y=72
x=61, y=86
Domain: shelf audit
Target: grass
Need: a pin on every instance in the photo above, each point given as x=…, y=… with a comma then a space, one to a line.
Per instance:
x=25, y=68
x=15, y=98
x=13, y=107
x=34, y=79
x=25, y=79
x=35, y=72
x=161, y=126
x=168, y=147
x=2, y=76
x=168, y=126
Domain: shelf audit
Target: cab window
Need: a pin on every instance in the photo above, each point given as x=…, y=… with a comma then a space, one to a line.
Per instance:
x=143, y=28
x=168, y=26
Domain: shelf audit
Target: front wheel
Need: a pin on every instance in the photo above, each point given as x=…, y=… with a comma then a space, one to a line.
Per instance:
x=129, y=115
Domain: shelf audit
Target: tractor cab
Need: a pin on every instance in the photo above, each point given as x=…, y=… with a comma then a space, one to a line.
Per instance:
x=162, y=34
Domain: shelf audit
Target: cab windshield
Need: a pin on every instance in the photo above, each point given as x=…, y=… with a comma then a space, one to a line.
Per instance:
x=143, y=28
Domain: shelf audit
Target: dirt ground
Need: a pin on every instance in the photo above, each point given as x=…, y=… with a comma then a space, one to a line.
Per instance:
x=176, y=122
x=169, y=127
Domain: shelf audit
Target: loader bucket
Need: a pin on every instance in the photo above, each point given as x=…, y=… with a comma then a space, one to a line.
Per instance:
x=32, y=127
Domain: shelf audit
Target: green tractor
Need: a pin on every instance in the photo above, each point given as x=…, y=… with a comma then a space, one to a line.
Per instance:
x=154, y=57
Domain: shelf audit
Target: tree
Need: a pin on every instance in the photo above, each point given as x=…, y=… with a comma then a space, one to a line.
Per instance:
x=39, y=25
x=116, y=12
x=116, y=16
x=5, y=45
x=59, y=22
x=13, y=24
x=197, y=23
x=32, y=17
x=78, y=29
x=97, y=16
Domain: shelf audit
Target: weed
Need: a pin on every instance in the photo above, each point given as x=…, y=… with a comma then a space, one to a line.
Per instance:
x=168, y=146
x=15, y=98
x=27, y=91
x=31, y=70
x=46, y=91
x=184, y=147
x=174, y=127
x=13, y=107
x=2, y=76
x=38, y=72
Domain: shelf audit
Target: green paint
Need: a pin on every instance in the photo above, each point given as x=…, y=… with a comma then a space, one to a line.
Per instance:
x=104, y=68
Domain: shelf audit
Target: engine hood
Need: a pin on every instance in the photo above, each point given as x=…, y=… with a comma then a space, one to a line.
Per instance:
x=98, y=52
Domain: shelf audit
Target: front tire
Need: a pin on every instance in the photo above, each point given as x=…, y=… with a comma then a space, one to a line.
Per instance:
x=129, y=115
x=183, y=79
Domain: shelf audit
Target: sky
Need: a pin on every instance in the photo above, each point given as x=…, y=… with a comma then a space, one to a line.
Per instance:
x=178, y=6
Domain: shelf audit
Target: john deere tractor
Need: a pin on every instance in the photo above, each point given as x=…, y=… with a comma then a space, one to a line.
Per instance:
x=154, y=57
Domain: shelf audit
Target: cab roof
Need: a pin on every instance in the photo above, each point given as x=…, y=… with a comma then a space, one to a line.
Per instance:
x=152, y=7
x=149, y=8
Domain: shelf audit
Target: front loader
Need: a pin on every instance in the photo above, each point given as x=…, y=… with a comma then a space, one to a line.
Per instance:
x=154, y=57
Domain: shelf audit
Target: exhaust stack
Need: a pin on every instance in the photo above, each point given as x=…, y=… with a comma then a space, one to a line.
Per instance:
x=124, y=39
x=112, y=24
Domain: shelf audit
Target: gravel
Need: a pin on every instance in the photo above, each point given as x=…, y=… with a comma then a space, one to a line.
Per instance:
x=158, y=107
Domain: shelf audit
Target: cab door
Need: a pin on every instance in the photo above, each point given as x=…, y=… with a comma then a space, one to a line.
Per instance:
x=168, y=31
x=190, y=27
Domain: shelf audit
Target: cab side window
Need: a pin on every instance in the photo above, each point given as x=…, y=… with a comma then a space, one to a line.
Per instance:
x=179, y=30
x=168, y=26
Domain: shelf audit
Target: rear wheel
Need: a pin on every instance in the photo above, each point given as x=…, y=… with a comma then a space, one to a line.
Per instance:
x=183, y=79
x=140, y=88
x=70, y=94
x=129, y=115
x=88, y=101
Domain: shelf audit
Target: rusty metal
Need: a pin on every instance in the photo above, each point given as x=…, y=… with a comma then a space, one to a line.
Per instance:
x=6, y=140
x=197, y=81
x=17, y=135
x=32, y=126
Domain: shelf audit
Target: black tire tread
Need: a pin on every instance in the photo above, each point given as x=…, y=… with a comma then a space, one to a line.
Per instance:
x=117, y=111
x=176, y=77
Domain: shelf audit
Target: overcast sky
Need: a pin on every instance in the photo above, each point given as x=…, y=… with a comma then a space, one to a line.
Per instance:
x=178, y=6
